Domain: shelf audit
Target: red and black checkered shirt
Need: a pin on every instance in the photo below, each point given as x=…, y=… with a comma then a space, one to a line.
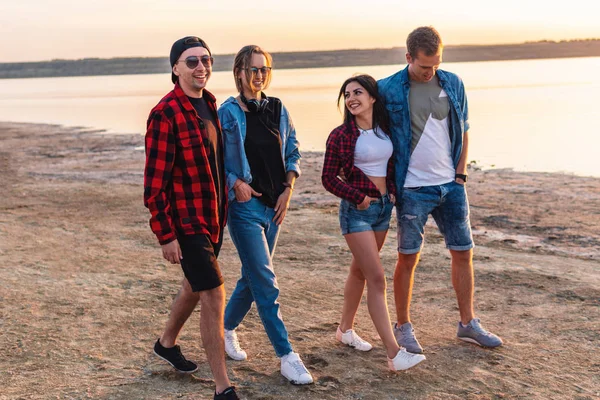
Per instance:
x=179, y=189
x=339, y=156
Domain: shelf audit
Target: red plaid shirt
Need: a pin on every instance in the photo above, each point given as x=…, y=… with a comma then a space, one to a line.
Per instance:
x=179, y=189
x=339, y=155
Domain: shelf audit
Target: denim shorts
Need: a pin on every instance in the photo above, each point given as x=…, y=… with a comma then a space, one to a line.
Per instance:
x=375, y=218
x=448, y=205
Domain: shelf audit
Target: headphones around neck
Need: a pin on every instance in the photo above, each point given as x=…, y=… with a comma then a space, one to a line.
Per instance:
x=255, y=106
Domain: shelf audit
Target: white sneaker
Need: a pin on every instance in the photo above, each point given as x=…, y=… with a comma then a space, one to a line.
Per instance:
x=352, y=339
x=232, y=346
x=294, y=370
x=404, y=360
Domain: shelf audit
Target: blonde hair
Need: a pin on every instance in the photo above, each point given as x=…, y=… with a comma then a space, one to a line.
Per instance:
x=242, y=62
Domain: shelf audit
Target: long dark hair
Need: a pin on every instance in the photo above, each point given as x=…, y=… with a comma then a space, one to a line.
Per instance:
x=380, y=116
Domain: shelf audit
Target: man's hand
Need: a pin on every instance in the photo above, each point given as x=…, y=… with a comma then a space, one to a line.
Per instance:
x=172, y=252
x=282, y=205
x=243, y=191
x=365, y=203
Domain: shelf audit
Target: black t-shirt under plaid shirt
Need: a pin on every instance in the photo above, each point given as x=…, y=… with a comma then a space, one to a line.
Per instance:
x=179, y=188
x=215, y=155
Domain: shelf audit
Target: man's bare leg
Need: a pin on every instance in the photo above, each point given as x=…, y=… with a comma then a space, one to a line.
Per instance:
x=183, y=305
x=211, y=328
x=404, y=276
x=463, y=281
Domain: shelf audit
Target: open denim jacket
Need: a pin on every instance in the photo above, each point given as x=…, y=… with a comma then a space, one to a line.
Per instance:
x=394, y=90
x=233, y=122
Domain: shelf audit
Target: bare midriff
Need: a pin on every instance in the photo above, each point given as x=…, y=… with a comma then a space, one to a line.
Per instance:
x=379, y=181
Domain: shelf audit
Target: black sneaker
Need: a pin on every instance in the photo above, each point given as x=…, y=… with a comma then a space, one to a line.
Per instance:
x=173, y=356
x=227, y=394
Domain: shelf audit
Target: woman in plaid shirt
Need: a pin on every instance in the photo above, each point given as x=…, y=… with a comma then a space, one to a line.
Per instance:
x=358, y=168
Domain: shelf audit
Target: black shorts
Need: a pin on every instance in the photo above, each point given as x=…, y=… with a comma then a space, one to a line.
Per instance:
x=199, y=263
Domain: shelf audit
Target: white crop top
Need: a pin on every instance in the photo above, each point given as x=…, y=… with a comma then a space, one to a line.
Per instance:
x=372, y=153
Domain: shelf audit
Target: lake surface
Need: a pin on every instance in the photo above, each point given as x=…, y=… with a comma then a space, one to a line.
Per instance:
x=531, y=115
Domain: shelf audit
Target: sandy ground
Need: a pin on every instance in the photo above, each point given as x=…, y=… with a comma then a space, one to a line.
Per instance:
x=84, y=291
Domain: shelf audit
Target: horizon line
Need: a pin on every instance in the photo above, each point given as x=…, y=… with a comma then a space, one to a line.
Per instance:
x=550, y=41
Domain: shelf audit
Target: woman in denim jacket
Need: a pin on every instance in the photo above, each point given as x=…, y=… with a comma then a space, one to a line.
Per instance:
x=261, y=164
x=359, y=168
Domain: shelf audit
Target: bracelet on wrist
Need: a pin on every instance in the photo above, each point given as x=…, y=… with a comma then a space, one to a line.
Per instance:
x=288, y=185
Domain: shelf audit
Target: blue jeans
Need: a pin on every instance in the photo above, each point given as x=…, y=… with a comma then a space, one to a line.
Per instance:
x=449, y=207
x=254, y=235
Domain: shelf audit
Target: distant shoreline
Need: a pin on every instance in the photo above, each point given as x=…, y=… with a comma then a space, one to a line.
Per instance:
x=306, y=59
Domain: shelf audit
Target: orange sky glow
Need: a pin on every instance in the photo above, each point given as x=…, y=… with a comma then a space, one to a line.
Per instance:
x=37, y=30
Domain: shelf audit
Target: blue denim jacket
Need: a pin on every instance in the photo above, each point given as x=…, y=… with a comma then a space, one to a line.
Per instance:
x=394, y=91
x=233, y=122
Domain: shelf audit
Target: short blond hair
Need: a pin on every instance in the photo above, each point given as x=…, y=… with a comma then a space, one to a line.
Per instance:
x=426, y=39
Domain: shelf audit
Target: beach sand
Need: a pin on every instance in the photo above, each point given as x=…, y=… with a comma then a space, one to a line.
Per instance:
x=84, y=291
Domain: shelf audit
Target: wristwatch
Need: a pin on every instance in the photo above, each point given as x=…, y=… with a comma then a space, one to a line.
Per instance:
x=461, y=176
x=289, y=185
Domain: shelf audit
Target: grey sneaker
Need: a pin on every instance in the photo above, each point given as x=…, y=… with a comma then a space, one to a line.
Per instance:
x=405, y=337
x=474, y=333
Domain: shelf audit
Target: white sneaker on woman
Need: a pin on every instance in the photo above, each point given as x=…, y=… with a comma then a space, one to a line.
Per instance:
x=294, y=370
x=404, y=360
x=352, y=339
x=232, y=346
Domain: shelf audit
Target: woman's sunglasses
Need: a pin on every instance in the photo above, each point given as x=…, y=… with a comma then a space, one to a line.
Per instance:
x=192, y=62
x=263, y=70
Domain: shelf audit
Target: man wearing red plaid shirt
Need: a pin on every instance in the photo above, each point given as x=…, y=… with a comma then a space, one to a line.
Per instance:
x=184, y=189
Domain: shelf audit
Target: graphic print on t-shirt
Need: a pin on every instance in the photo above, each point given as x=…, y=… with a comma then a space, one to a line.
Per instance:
x=430, y=161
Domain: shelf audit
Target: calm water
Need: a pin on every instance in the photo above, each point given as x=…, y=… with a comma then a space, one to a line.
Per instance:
x=533, y=115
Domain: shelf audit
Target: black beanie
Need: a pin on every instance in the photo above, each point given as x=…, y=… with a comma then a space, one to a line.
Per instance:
x=182, y=45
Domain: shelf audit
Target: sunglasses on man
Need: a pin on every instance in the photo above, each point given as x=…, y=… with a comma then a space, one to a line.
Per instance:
x=192, y=62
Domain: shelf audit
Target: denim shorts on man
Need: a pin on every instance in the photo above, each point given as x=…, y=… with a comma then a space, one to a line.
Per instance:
x=375, y=218
x=449, y=207
x=199, y=263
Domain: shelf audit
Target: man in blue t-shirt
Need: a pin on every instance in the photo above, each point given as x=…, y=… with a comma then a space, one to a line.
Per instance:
x=429, y=126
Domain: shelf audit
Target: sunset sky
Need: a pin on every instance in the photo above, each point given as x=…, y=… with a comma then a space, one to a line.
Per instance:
x=33, y=30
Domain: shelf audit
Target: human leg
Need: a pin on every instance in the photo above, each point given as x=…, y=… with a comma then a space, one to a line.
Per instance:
x=452, y=218
x=201, y=270
x=365, y=251
x=463, y=283
x=254, y=237
x=404, y=276
x=212, y=304
x=183, y=305
x=237, y=307
x=353, y=291
x=415, y=207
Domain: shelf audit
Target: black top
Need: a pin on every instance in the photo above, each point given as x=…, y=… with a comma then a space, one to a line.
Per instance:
x=213, y=150
x=263, y=150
